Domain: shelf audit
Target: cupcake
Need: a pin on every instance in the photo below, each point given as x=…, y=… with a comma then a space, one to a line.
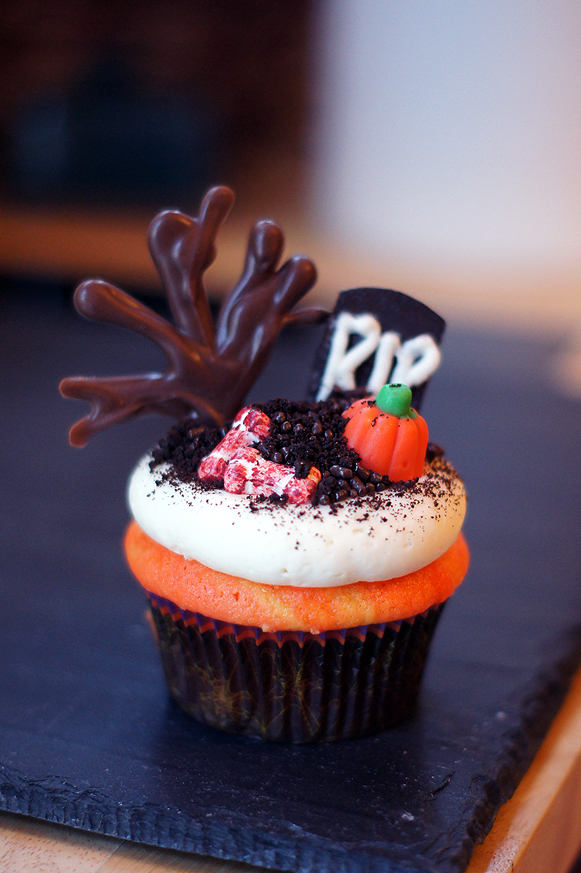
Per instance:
x=296, y=555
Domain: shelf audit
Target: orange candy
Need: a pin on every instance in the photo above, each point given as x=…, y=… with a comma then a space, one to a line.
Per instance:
x=392, y=445
x=197, y=588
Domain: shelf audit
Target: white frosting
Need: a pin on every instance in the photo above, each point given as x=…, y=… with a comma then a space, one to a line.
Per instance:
x=379, y=537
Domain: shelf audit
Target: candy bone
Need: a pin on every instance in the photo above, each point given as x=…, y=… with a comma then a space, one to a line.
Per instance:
x=247, y=472
x=243, y=470
x=250, y=426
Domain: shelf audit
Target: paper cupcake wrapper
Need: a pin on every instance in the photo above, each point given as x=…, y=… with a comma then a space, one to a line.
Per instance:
x=293, y=686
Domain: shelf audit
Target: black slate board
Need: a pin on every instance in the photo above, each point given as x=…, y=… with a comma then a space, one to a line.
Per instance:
x=88, y=736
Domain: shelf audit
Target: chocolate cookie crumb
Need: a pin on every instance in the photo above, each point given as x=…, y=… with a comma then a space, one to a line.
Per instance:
x=184, y=446
x=302, y=435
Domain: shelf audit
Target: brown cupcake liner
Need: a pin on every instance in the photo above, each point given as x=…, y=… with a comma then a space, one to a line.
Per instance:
x=293, y=686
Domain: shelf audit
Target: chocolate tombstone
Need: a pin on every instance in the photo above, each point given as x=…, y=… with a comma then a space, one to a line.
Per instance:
x=376, y=336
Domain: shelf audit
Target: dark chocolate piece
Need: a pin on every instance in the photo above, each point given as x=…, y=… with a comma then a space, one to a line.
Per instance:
x=210, y=367
x=394, y=313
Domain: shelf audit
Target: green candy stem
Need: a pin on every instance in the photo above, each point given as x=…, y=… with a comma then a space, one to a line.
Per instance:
x=396, y=399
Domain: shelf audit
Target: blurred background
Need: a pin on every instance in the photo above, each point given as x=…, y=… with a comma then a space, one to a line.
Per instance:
x=430, y=147
x=434, y=148
x=110, y=112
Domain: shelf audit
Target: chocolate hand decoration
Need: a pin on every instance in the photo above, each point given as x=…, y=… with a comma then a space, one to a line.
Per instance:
x=210, y=368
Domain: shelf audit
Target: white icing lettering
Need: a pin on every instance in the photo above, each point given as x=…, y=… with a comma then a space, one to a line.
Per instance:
x=388, y=346
x=342, y=364
x=415, y=359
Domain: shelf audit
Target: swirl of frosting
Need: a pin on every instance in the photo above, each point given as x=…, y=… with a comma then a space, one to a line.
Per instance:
x=372, y=538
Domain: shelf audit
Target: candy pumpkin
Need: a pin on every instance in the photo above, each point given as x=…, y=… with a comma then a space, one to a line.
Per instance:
x=387, y=434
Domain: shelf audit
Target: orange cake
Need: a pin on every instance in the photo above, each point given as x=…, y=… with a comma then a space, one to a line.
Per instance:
x=200, y=589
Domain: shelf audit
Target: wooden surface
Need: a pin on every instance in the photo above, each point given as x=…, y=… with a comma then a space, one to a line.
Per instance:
x=537, y=831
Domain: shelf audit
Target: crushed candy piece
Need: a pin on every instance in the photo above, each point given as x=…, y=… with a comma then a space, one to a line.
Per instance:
x=247, y=472
x=243, y=470
x=249, y=427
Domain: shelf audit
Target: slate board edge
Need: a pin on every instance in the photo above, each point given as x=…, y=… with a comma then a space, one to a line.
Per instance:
x=540, y=706
x=236, y=844
x=66, y=806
